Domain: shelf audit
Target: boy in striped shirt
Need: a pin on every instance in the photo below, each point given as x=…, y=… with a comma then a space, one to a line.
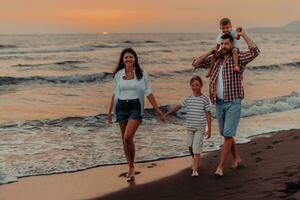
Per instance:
x=198, y=115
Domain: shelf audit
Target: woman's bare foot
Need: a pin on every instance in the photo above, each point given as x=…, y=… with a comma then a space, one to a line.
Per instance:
x=219, y=172
x=236, y=163
x=130, y=174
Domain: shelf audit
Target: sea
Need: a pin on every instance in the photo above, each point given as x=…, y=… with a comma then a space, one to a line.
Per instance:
x=55, y=92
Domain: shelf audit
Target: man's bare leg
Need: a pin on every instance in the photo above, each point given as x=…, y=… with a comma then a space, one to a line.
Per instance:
x=224, y=154
x=235, y=154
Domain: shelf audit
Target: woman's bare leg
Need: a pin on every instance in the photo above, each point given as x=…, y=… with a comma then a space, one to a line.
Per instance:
x=130, y=130
x=123, y=128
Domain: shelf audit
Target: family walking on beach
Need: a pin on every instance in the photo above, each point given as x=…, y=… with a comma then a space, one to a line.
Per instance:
x=226, y=64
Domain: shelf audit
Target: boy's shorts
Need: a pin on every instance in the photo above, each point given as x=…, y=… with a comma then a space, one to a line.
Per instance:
x=195, y=140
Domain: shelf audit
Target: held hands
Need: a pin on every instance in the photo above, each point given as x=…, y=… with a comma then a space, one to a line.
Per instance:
x=162, y=116
x=109, y=118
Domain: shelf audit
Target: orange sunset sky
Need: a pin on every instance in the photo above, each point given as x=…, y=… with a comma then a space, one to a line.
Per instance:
x=135, y=16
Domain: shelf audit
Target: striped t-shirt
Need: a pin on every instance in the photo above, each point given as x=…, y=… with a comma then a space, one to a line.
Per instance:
x=195, y=111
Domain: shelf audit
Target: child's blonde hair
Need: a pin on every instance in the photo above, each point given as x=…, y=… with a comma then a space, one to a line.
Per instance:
x=196, y=78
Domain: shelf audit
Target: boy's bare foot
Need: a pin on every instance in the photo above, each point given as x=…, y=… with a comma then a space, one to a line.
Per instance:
x=195, y=173
x=236, y=69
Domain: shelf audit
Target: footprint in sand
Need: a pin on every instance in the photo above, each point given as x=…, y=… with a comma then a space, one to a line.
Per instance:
x=296, y=137
x=253, y=179
x=255, y=153
x=124, y=174
x=277, y=141
x=151, y=165
x=291, y=188
x=292, y=174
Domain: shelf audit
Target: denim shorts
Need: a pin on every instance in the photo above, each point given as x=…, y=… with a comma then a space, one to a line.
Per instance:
x=228, y=115
x=128, y=109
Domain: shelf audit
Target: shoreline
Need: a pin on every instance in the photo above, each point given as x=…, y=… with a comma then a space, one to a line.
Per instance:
x=99, y=181
x=252, y=137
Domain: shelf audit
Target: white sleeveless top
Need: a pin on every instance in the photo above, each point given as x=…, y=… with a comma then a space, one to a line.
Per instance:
x=128, y=89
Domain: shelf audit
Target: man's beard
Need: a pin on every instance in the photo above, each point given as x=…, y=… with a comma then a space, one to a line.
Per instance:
x=226, y=51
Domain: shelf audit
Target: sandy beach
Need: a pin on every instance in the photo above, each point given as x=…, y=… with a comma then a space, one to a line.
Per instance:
x=271, y=170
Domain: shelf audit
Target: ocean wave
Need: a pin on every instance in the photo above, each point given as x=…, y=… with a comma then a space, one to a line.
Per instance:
x=252, y=68
x=275, y=66
x=83, y=48
x=45, y=51
x=122, y=44
x=140, y=41
x=7, y=46
x=249, y=109
x=67, y=62
x=264, y=106
x=103, y=76
x=103, y=46
x=272, y=105
x=60, y=66
x=76, y=79
x=73, y=79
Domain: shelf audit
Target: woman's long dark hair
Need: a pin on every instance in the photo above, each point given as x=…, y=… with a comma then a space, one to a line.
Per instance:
x=138, y=70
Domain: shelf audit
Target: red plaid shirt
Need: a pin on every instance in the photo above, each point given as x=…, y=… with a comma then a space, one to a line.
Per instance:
x=232, y=81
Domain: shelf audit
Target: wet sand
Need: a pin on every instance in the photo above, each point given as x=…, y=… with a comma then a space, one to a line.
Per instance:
x=271, y=170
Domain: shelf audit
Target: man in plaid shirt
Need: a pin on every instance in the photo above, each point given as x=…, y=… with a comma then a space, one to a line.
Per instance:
x=226, y=91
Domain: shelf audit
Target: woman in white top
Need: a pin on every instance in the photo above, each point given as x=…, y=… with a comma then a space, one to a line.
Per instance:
x=127, y=103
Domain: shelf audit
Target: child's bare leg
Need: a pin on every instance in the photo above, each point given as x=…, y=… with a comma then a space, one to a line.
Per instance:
x=196, y=161
x=212, y=63
x=235, y=60
x=192, y=154
x=196, y=164
x=191, y=151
